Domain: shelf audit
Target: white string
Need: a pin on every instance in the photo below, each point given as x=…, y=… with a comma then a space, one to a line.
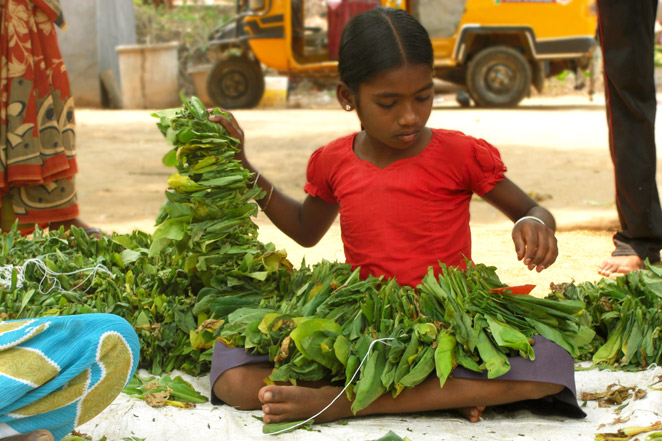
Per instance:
x=358, y=369
x=49, y=275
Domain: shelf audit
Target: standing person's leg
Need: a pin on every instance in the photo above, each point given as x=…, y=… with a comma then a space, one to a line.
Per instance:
x=627, y=37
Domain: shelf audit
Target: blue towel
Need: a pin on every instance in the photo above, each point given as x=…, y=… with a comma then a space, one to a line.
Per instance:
x=59, y=372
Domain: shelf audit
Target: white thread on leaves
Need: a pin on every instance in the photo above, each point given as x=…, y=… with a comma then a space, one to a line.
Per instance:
x=358, y=369
x=49, y=275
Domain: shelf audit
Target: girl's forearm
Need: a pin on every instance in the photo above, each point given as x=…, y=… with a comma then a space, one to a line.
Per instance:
x=305, y=223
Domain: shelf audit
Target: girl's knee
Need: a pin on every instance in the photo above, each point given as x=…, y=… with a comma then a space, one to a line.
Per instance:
x=233, y=387
x=542, y=390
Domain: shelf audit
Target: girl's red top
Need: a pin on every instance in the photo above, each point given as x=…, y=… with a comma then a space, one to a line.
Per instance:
x=402, y=219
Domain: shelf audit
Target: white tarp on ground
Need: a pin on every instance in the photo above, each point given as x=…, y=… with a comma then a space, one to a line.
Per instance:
x=130, y=417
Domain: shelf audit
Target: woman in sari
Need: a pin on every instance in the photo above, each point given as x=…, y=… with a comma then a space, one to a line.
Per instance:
x=59, y=372
x=37, y=127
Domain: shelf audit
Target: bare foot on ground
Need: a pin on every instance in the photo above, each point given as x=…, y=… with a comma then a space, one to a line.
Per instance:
x=37, y=435
x=473, y=414
x=293, y=403
x=620, y=265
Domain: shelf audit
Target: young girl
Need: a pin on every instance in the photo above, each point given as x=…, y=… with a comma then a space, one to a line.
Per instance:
x=403, y=192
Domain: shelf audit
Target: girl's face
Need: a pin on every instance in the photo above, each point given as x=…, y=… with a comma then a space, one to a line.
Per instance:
x=394, y=107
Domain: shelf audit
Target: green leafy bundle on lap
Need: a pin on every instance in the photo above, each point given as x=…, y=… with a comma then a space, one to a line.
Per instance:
x=324, y=330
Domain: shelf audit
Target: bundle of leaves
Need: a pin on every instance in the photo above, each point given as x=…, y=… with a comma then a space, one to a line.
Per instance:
x=626, y=315
x=206, y=223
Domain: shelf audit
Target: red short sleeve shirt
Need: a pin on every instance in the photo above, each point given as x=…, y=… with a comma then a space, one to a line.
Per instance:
x=399, y=220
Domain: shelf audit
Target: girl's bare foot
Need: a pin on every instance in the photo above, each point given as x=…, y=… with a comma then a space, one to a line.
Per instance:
x=620, y=265
x=293, y=403
x=473, y=414
x=37, y=435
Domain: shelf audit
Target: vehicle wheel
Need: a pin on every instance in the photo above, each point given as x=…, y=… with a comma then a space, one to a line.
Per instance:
x=498, y=76
x=235, y=83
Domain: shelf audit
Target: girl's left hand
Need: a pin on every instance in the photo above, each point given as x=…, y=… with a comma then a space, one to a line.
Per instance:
x=535, y=244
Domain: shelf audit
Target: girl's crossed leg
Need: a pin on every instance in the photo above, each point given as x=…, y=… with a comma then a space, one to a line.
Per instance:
x=243, y=387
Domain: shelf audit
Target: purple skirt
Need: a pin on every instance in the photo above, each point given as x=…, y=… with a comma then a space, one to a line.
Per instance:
x=553, y=364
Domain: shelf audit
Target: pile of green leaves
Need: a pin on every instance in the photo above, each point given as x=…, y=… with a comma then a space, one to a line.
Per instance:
x=626, y=315
x=152, y=293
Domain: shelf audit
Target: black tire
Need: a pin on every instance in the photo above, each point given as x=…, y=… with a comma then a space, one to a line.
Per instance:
x=235, y=83
x=498, y=76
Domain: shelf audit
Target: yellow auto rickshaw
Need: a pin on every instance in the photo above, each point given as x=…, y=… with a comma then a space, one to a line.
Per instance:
x=496, y=49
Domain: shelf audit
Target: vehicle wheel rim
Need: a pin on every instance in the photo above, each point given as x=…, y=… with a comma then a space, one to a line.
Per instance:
x=234, y=84
x=499, y=79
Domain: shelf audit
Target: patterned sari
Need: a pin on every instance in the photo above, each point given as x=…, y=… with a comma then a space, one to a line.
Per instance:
x=37, y=134
x=59, y=372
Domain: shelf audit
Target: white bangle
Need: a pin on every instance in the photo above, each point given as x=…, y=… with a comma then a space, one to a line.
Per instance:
x=528, y=217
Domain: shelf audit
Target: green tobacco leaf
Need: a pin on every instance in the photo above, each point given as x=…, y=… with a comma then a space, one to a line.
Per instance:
x=341, y=349
x=495, y=361
x=318, y=346
x=509, y=337
x=554, y=335
x=307, y=327
x=391, y=436
x=170, y=158
x=130, y=256
x=419, y=372
x=608, y=352
x=286, y=427
x=370, y=387
x=444, y=356
x=183, y=390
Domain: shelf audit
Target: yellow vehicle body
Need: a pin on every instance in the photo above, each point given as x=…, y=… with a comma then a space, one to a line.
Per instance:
x=280, y=53
x=496, y=48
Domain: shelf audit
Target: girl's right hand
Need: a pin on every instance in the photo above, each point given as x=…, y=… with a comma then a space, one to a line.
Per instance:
x=232, y=126
x=535, y=244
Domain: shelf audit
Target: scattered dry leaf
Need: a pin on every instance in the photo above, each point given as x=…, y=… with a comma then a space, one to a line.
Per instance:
x=157, y=399
x=620, y=420
x=615, y=394
x=151, y=385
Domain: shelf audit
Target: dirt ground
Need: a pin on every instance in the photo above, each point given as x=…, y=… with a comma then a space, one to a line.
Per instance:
x=555, y=149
